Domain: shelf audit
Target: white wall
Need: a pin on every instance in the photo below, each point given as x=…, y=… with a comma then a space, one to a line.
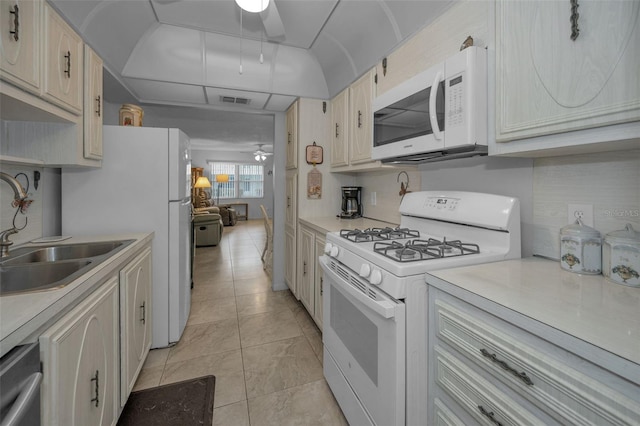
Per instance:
x=609, y=181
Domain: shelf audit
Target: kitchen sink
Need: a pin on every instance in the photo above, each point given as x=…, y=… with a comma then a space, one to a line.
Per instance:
x=40, y=276
x=39, y=268
x=60, y=252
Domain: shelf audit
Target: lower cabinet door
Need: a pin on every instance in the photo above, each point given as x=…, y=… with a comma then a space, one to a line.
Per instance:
x=135, y=327
x=80, y=363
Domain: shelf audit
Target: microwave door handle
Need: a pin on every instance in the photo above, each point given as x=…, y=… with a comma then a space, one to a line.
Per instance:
x=433, y=116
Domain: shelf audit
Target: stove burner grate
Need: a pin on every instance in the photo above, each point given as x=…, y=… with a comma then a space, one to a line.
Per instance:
x=378, y=234
x=416, y=250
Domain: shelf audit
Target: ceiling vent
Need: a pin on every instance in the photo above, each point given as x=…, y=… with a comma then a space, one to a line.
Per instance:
x=232, y=100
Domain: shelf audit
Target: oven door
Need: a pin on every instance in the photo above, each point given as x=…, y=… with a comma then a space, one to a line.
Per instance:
x=364, y=336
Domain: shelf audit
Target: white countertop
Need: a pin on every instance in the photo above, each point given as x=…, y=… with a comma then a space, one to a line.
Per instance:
x=24, y=316
x=332, y=223
x=588, y=307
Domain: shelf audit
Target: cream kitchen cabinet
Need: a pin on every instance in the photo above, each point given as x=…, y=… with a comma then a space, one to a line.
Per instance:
x=306, y=267
x=20, y=43
x=339, y=131
x=135, y=324
x=355, y=141
x=584, y=83
x=290, y=262
x=290, y=228
x=80, y=363
x=361, y=116
x=292, y=136
x=497, y=371
x=93, y=105
x=51, y=118
x=310, y=246
x=63, y=63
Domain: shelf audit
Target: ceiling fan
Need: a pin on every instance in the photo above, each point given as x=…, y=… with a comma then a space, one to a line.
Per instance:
x=260, y=155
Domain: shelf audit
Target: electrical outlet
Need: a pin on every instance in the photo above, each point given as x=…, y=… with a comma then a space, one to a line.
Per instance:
x=373, y=198
x=582, y=211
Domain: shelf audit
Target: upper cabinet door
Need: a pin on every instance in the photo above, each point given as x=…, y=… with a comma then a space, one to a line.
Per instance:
x=292, y=136
x=360, y=97
x=19, y=43
x=63, y=53
x=93, y=105
x=339, y=131
x=560, y=69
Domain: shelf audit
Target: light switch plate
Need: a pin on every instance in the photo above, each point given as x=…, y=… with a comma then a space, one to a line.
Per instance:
x=582, y=211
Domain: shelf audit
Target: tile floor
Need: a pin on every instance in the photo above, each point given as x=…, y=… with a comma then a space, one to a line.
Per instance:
x=262, y=346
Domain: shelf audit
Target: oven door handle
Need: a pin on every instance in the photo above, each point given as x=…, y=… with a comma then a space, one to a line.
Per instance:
x=385, y=308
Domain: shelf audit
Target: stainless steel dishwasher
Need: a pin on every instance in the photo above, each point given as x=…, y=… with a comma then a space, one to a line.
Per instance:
x=20, y=379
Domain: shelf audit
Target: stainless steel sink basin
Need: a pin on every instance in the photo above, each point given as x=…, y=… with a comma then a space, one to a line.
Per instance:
x=40, y=276
x=39, y=268
x=60, y=252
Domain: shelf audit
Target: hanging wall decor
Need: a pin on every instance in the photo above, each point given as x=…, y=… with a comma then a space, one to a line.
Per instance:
x=314, y=154
x=314, y=184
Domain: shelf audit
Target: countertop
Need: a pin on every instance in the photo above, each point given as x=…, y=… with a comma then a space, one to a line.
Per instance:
x=588, y=307
x=24, y=316
x=332, y=223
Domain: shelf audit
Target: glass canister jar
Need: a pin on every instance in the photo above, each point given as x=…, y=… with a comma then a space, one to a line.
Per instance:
x=621, y=256
x=580, y=249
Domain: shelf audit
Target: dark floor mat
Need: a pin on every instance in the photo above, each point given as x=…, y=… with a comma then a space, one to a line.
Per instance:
x=182, y=404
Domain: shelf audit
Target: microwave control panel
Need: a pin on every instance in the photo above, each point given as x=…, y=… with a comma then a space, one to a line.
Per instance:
x=455, y=96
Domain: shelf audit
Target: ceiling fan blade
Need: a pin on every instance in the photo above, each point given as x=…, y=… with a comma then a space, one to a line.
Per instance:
x=272, y=22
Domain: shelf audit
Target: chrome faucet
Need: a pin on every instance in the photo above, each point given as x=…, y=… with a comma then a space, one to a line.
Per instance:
x=19, y=196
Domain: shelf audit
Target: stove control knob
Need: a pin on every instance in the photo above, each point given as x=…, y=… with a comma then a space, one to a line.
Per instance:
x=376, y=277
x=333, y=252
x=365, y=270
x=327, y=248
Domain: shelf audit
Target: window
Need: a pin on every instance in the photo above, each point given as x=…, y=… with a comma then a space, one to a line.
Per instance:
x=245, y=180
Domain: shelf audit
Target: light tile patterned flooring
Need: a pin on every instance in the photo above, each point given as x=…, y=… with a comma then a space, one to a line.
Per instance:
x=262, y=346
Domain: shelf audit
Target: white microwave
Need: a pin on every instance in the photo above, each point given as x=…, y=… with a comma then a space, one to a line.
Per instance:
x=439, y=113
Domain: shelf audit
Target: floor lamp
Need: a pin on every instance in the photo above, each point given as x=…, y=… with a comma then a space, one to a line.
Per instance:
x=221, y=178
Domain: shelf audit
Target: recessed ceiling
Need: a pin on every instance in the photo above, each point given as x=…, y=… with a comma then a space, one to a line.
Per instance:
x=189, y=52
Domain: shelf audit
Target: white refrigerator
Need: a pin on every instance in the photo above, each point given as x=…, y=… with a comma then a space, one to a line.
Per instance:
x=144, y=185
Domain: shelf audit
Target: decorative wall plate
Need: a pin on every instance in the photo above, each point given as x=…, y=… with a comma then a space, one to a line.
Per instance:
x=314, y=154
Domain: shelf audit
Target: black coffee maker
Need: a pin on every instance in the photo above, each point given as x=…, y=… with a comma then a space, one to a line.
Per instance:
x=351, y=202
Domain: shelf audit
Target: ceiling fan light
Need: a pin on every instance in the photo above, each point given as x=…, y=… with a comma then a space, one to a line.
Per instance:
x=254, y=6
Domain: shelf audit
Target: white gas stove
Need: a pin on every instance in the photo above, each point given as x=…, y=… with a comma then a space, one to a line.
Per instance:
x=373, y=292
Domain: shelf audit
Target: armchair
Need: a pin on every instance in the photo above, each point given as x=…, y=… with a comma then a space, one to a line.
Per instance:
x=208, y=228
x=228, y=214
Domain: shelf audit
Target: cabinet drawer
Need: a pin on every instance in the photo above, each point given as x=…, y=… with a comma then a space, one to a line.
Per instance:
x=443, y=416
x=547, y=381
x=482, y=400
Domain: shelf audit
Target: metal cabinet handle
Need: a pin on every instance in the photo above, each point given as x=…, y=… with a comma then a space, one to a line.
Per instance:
x=144, y=312
x=68, y=70
x=288, y=202
x=289, y=137
x=489, y=415
x=494, y=358
x=304, y=268
x=99, y=104
x=337, y=132
x=321, y=286
x=575, y=31
x=97, y=397
x=359, y=119
x=16, y=22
